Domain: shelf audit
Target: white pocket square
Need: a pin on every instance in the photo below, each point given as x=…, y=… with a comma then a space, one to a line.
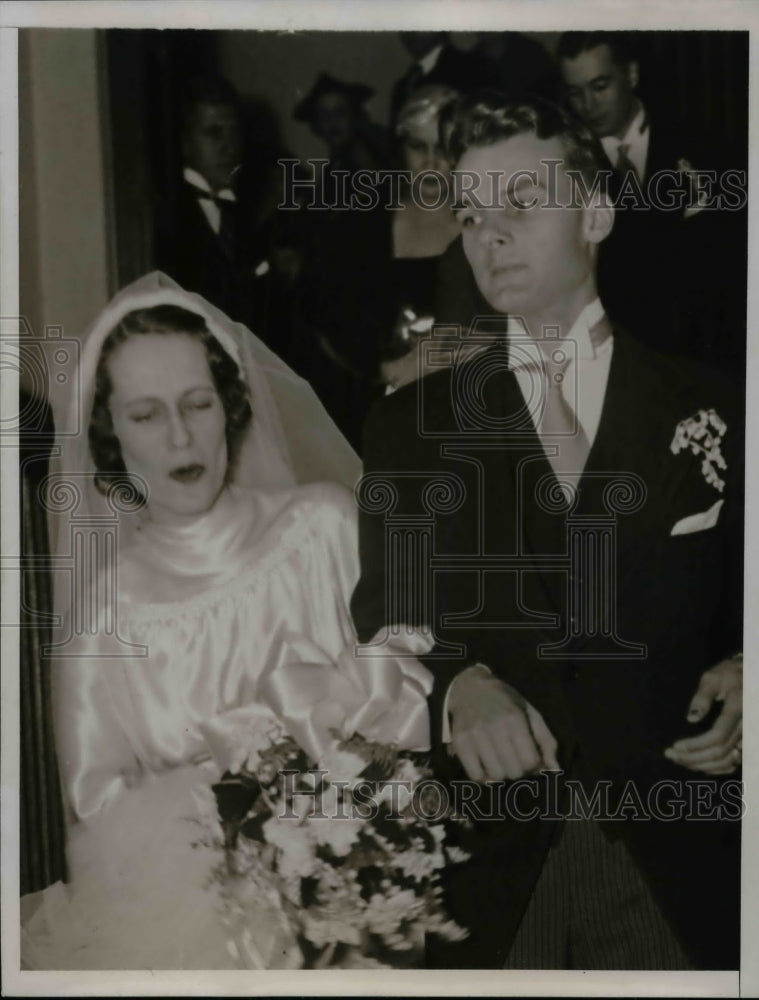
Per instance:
x=698, y=522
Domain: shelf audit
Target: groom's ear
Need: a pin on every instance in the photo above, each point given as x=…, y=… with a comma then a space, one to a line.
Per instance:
x=598, y=218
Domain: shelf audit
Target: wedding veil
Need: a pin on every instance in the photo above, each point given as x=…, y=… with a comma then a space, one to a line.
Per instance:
x=291, y=439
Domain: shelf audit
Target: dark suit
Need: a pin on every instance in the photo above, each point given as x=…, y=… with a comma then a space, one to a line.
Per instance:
x=523, y=66
x=678, y=600
x=222, y=271
x=462, y=71
x=690, y=273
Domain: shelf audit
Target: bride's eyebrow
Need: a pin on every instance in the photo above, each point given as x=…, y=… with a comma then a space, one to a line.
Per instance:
x=203, y=387
x=137, y=400
x=160, y=399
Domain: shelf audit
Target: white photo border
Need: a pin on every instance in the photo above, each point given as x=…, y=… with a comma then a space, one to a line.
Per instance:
x=549, y=15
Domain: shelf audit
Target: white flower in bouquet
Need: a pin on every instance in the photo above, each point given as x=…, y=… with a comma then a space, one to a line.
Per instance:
x=419, y=864
x=322, y=930
x=399, y=793
x=338, y=834
x=455, y=855
x=341, y=765
x=438, y=832
x=261, y=736
x=296, y=842
x=338, y=831
x=387, y=912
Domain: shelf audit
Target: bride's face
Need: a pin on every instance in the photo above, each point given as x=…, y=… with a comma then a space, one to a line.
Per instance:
x=170, y=422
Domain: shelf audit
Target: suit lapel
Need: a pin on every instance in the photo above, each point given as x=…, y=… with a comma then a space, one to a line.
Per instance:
x=629, y=439
x=628, y=477
x=617, y=443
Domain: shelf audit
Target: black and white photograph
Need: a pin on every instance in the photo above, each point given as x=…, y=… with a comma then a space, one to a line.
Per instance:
x=377, y=505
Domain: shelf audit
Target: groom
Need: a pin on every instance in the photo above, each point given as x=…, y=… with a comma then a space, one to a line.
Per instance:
x=562, y=513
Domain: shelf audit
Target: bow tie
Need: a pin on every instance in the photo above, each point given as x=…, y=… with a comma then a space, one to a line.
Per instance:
x=225, y=196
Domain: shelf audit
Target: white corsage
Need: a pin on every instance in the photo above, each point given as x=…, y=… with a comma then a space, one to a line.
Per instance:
x=703, y=435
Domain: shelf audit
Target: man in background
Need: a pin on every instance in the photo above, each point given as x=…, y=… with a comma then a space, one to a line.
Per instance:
x=661, y=258
x=436, y=60
x=207, y=238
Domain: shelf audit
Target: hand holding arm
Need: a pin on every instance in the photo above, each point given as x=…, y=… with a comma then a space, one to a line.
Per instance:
x=719, y=750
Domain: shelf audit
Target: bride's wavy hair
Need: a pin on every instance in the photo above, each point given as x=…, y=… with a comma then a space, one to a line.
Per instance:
x=110, y=470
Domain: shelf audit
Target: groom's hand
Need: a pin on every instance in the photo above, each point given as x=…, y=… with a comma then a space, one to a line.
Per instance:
x=495, y=733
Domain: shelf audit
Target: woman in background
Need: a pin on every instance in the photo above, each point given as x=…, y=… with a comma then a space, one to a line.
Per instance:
x=343, y=254
x=421, y=230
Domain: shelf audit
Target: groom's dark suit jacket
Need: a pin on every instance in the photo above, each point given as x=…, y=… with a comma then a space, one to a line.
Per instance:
x=678, y=597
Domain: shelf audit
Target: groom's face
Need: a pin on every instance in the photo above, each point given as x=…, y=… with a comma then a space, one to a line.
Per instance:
x=528, y=256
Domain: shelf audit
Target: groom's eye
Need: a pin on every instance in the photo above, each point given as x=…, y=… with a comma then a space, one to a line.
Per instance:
x=465, y=217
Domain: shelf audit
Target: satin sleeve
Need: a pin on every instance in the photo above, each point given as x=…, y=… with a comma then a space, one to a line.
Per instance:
x=95, y=757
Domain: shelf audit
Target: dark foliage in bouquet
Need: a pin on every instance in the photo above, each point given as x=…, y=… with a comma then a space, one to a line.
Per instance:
x=353, y=850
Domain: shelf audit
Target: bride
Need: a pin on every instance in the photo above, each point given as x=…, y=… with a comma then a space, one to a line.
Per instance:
x=245, y=536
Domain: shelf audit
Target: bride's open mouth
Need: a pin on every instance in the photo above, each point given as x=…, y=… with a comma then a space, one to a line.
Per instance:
x=188, y=473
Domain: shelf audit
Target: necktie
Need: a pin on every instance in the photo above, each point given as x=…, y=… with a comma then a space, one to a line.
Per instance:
x=624, y=164
x=565, y=442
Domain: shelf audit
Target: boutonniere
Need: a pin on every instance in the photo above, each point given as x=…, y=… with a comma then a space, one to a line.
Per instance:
x=412, y=327
x=698, y=195
x=703, y=435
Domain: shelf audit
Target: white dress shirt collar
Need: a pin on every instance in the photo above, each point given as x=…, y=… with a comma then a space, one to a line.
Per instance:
x=429, y=61
x=198, y=180
x=579, y=332
x=208, y=206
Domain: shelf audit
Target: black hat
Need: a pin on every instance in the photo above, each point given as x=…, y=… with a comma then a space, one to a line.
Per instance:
x=356, y=93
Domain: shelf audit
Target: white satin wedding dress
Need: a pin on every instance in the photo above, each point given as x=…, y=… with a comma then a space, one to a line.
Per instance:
x=216, y=604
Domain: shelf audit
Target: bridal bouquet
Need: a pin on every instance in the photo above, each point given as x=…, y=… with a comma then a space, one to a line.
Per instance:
x=347, y=852
x=352, y=850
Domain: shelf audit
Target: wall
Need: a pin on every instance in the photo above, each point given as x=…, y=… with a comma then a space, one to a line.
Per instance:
x=62, y=228
x=280, y=68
